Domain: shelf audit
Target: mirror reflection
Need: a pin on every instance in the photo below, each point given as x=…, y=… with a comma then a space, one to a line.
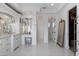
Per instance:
x=5, y=23
x=26, y=25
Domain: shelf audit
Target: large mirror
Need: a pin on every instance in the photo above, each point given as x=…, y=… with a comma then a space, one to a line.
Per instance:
x=26, y=25
x=5, y=23
x=61, y=31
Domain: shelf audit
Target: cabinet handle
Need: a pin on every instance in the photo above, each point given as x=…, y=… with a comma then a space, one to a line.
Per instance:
x=76, y=23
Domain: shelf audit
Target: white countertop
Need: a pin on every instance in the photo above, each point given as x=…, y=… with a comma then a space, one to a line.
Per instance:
x=7, y=35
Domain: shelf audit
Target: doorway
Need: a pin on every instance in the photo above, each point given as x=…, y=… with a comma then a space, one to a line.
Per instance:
x=72, y=29
x=51, y=28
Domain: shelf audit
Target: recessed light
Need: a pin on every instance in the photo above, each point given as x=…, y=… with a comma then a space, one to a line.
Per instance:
x=51, y=4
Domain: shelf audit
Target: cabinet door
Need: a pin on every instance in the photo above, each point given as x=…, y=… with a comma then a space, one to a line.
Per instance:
x=2, y=47
x=14, y=43
x=5, y=46
x=8, y=45
x=18, y=41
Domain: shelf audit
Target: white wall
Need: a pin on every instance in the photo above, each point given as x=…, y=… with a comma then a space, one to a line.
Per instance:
x=34, y=29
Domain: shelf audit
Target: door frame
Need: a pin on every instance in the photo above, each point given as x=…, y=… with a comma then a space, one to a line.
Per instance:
x=76, y=27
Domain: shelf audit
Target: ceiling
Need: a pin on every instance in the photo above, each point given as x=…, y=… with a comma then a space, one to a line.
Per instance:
x=41, y=7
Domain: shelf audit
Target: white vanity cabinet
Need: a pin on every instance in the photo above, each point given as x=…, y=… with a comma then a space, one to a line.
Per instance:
x=9, y=43
x=5, y=45
x=16, y=41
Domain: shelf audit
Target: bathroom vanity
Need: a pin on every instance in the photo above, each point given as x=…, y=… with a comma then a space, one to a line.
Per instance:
x=9, y=43
x=5, y=44
x=14, y=33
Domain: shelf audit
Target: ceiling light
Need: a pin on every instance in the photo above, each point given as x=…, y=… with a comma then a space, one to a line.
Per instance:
x=52, y=4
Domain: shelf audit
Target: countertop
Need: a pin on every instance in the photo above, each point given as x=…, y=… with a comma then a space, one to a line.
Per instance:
x=4, y=35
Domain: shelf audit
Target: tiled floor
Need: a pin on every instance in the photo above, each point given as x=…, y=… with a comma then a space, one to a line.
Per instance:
x=50, y=49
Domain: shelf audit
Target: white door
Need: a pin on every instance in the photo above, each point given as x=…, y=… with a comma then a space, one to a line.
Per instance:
x=40, y=29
